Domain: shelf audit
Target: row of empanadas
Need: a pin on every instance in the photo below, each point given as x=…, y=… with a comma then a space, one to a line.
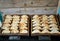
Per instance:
x=48, y=19
x=8, y=31
x=23, y=24
x=14, y=24
x=10, y=16
x=44, y=31
x=36, y=24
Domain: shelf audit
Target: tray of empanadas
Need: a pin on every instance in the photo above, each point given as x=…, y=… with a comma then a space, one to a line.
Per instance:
x=15, y=25
x=44, y=25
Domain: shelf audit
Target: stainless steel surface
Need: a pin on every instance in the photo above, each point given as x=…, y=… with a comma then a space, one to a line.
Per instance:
x=27, y=3
x=37, y=10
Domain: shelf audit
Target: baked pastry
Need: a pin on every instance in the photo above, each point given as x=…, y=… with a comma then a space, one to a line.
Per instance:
x=23, y=31
x=45, y=22
x=14, y=31
x=16, y=17
x=14, y=24
x=23, y=21
x=54, y=28
x=25, y=17
x=6, y=25
x=14, y=28
x=9, y=16
x=37, y=27
x=36, y=24
x=6, y=28
x=54, y=31
x=35, y=16
x=50, y=19
x=36, y=21
x=36, y=31
x=43, y=25
x=46, y=27
x=22, y=25
x=44, y=17
x=25, y=28
x=5, y=31
x=45, y=31
x=15, y=21
x=51, y=22
x=53, y=25
x=51, y=16
x=7, y=21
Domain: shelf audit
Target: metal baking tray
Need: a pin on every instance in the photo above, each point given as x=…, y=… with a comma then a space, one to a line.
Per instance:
x=21, y=34
x=37, y=34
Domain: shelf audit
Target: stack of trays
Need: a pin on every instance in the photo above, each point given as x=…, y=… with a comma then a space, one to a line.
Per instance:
x=16, y=24
x=44, y=24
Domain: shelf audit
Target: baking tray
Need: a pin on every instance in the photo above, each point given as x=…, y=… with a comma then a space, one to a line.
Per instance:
x=21, y=34
x=37, y=34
